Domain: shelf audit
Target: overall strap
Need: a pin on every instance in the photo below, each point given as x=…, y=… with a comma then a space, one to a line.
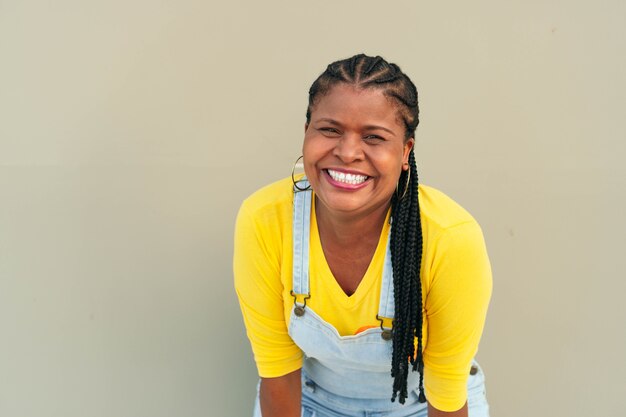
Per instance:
x=301, y=232
x=387, y=306
x=301, y=237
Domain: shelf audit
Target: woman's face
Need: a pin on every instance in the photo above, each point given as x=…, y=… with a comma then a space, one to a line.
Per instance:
x=354, y=150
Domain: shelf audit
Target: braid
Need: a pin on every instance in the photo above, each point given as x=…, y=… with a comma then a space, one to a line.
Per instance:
x=353, y=62
x=366, y=72
x=406, y=255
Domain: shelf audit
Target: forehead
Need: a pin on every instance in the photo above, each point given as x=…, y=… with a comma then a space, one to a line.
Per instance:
x=346, y=103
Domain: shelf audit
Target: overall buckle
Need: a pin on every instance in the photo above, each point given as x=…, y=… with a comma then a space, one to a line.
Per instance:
x=299, y=310
x=387, y=333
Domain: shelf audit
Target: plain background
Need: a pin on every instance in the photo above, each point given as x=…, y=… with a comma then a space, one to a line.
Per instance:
x=130, y=132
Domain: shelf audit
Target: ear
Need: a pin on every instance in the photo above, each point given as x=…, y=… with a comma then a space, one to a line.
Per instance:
x=306, y=126
x=405, y=153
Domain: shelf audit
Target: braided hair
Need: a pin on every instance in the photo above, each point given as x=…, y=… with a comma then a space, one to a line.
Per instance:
x=367, y=72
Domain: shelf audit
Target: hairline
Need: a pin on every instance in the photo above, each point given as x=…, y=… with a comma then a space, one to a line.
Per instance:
x=360, y=86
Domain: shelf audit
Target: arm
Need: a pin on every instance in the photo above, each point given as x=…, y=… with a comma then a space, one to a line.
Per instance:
x=257, y=263
x=433, y=412
x=281, y=396
x=456, y=305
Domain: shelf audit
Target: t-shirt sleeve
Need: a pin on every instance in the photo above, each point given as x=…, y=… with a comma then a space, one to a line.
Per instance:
x=256, y=266
x=456, y=306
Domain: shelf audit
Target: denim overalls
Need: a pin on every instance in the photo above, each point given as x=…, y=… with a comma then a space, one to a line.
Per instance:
x=351, y=375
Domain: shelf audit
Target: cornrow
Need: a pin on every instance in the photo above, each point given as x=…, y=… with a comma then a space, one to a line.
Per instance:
x=372, y=64
x=367, y=72
x=353, y=61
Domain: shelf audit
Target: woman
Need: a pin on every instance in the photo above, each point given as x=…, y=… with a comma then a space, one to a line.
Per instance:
x=354, y=270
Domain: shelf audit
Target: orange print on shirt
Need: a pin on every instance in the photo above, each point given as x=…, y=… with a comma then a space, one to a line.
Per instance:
x=364, y=328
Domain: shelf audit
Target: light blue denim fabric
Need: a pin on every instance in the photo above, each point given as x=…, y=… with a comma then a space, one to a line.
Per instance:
x=318, y=402
x=350, y=375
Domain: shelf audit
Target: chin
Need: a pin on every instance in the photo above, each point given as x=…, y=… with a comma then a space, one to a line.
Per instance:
x=345, y=204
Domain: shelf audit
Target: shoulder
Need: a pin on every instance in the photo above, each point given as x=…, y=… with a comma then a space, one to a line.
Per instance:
x=271, y=198
x=267, y=211
x=456, y=255
x=440, y=211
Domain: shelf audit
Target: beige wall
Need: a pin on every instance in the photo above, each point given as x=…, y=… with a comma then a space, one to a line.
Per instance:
x=130, y=131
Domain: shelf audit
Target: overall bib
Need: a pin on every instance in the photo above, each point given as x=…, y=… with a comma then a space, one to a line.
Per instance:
x=351, y=375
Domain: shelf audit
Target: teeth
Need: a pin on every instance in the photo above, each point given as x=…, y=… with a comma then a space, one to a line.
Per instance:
x=347, y=178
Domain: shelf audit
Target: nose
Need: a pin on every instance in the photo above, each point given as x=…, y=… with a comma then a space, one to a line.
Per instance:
x=349, y=148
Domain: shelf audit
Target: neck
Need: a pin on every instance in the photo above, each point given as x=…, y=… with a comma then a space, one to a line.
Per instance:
x=348, y=229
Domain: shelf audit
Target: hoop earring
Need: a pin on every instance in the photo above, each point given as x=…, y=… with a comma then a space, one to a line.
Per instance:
x=406, y=185
x=295, y=183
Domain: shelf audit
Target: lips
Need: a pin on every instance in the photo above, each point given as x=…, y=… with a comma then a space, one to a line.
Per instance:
x=347, y=177
x=344, y=180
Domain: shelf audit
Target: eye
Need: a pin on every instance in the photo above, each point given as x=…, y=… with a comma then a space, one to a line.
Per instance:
x=329, y=131
x=373, y=138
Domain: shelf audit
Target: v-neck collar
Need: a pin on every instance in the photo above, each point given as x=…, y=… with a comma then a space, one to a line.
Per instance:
x=373, y=274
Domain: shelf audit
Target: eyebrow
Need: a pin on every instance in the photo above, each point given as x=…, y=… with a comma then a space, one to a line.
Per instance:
x=368, y=127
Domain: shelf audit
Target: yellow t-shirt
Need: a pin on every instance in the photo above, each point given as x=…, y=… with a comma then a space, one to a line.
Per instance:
x=455, y=277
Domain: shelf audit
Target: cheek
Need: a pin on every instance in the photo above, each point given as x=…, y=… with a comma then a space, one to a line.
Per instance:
x=389, y=163
x=314, y=148
x=310, y=157
x=306, y=140
x=307, y=145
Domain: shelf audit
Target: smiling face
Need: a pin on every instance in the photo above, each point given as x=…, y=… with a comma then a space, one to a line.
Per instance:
x=354, y=150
